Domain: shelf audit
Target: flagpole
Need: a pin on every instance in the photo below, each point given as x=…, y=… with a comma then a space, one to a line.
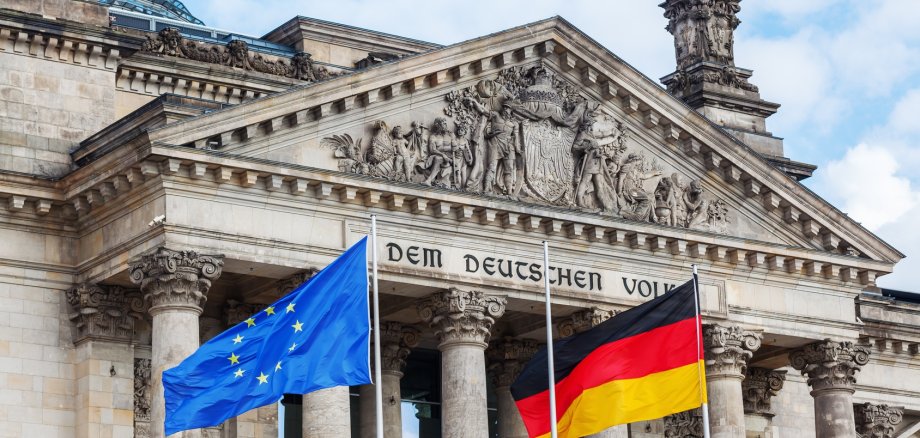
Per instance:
x=549, y=344
x=378, y=382
x=700, y=369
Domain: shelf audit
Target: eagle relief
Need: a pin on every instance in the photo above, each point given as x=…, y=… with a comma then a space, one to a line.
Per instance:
x=530, y=136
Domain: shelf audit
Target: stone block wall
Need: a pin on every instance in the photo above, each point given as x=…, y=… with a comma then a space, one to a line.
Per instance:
x=794, y=408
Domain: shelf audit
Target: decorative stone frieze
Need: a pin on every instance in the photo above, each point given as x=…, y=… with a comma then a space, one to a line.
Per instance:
x=141, y=398
x=460, y=316
x=506, y=358
x=877, y=421
x=396, y=342
x=104, y=312
x=687, y=424
x=170, y=278
x=759, y=387
x=830, y=364
x=583, y=320
x=728, y=348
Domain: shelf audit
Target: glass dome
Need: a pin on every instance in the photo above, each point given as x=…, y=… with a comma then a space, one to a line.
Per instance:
x=173, y=9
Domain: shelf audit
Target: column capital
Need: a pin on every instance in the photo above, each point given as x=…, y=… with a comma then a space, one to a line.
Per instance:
x=175, y=279
x=104, y=312
x=759, y=387
x=686, y=424
x=582, y=320
x=728, y=349
x=461, y=317
x=396, y=342
x=507, y=356
x=830, y=364
x=287, y=285
x=877, y=421
x=236, y=312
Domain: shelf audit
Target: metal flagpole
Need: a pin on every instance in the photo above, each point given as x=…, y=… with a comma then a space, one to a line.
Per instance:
x=378, y=382
x=549, y=344
x=700, y=369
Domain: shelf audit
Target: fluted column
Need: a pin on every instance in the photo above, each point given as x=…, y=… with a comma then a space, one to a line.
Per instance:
x=175, y=285
x=507, y=357
x=462, y=320
x=831, y=368
x=576, y=323
x=759, y=387
x=396, y=342
x=877, y=421
x=728, y=348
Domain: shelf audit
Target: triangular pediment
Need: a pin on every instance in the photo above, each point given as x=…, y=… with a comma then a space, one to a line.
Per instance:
x=542, y=115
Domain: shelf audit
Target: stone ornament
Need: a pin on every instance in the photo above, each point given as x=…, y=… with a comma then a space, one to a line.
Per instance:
x=830, y=364
x=396, y=342
x=728, y=348
x=169, y=42
x=583, y=320
x=506, y=358
x=175, y=278
x=460, y=316
x=141, y=398
x=687, y=424
x=288, y=285
x=104, y=312
x=759, y=387
x=236, y=312
x=529, y=136
x=877, y=421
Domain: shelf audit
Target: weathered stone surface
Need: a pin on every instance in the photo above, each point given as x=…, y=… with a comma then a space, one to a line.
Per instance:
x=760, y=385
x=104, y=312
x=461, y=317
x=877, y=421
x=170, y=278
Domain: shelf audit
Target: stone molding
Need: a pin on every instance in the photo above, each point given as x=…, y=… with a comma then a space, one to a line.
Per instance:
x=461, y=317
x=687, y=424
x=728, y=348
x=506, y=358
x=396, y=342
x=175, y=279
x=877, y=421
x=582, y=320
x=759, y=387
x=155, y=83
x=105, y=313
x=830, y=364
x=60, y=48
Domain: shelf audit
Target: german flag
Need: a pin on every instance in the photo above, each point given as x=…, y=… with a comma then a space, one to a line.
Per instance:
x=641, y=364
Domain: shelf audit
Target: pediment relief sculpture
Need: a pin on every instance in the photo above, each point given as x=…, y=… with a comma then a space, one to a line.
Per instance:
x=530, y=136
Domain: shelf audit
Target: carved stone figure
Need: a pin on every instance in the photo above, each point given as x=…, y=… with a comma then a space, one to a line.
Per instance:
x=348, y=151
x=104, y=312
x=438, y=162
x=381, y=153
x=634, y=202
x=703, y=30
x=302, y=67
x=461, y=157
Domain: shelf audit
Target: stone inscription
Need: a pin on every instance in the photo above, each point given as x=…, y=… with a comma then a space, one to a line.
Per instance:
x=646, y=288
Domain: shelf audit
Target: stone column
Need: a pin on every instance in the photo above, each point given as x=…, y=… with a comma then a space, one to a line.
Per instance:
x=687, y=424
x=877, y=421
x=728, y=349
x=759, y=387
x=506, y=360
x=396, y=342
x=576, y=323
x=462, y=320
x=104, y=317
x=327, y=413
x=175, y=285
x=831, y=369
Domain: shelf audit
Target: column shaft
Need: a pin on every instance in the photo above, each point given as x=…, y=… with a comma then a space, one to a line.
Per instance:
x=726, y=407
x=392, y=408
x=175, y=337
x=510, y=424
x=327, y=413
x=463, y=392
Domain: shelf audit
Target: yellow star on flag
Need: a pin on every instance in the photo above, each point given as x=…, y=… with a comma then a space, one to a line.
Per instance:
x=290, y=308
x=293, y=346
x=278, y=367
x=237, y=339
x=262, y=378
x=270, y=310
x=234, y=359
x=239, y=372
x=298, y=327
x=250, y=322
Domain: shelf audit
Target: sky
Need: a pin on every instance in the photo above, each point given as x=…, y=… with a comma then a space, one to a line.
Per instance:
x=846, y=72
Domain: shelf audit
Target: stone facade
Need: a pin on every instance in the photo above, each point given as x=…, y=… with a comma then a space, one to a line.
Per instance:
x=158, y=187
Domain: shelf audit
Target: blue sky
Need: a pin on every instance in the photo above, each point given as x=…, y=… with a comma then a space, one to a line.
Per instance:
x=847, y=73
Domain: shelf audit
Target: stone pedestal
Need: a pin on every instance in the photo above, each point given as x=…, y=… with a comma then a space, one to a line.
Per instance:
x=728, y=349
x=396, y=342
x=175, y=285
x=759, y=387
x=506, y=360
x=831, y=369
x=877, y=421
x=327, y=413
x=462, y=321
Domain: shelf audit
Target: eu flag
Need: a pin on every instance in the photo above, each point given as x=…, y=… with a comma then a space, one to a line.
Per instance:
x=316, y=337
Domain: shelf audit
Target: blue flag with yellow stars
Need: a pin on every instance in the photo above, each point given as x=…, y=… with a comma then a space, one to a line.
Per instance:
x=316, y=337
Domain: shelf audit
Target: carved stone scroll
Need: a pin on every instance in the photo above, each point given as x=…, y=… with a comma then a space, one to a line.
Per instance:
x=728, y=348
x=460, y=316
x=877, y=421
x=830, y=364
x=104, y=312
x=759, y=387
x=175, y=278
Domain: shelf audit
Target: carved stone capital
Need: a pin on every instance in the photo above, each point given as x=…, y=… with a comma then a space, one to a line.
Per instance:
x=287, y=285
x=104, y=312
x=728, y=349
x=759, y=387
x=175, y=279
x=396, y=342
x=877, y=421
x=461, y=317
x=582, y=320
x=829, y=364
x=687, y=424
x=507, y=357
x=236, y=312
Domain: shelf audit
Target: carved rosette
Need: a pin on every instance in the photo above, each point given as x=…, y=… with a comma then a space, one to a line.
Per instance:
x=687, y=424
x=830, y=364
x=582, y=320
x=396, y=342
x=461, y=317
x=175, y=279
x=760, y=385
x=728, y=348
x=104, y=312
x=141, y=398
x=877, y=421
x=507, y=357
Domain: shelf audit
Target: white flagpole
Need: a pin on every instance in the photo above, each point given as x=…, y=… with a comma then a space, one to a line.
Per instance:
x=549, y=345
x=701, y=371
x=378, y=382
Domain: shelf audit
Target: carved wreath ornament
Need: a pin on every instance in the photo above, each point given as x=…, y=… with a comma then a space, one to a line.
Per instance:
x=527, y=135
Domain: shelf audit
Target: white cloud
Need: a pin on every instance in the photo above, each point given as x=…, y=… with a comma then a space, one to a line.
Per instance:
x=905, y=117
